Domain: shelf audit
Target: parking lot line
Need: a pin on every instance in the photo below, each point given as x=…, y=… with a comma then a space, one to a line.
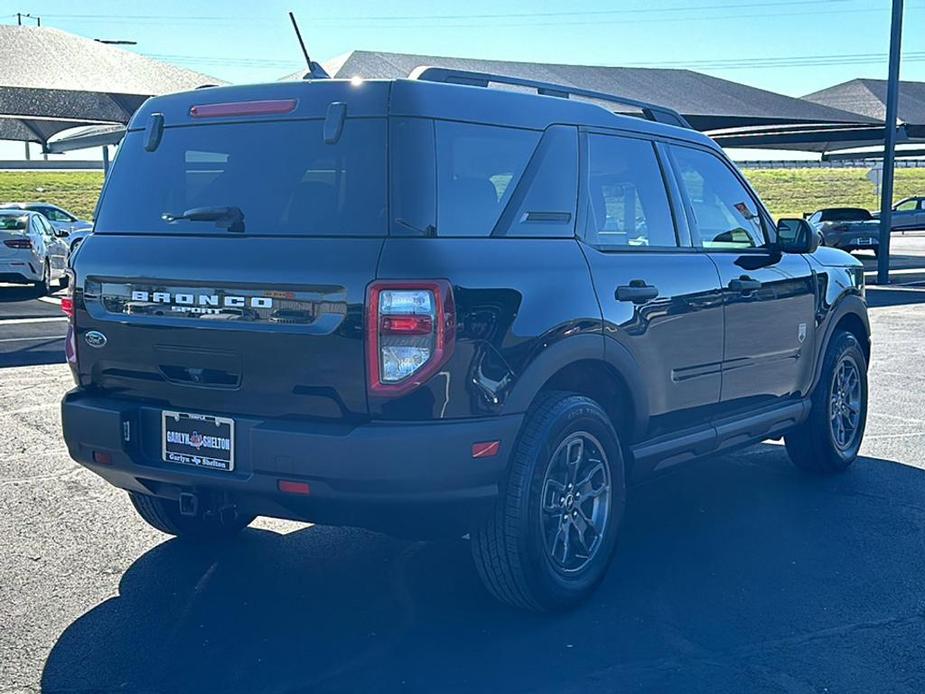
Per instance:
x=20, y=321
x=34, y=339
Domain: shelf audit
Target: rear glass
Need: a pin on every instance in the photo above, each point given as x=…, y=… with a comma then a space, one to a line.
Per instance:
x=846, y=214
x=9, y=222
x=281, y=174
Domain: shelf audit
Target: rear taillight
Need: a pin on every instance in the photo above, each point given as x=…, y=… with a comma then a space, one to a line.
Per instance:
x=410, y=333
x=21, y=244
x=67, y=306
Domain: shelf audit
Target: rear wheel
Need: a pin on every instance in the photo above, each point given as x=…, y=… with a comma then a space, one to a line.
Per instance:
x=552, y=534
x=829, y=440
x=43, y=286
x=164, y=515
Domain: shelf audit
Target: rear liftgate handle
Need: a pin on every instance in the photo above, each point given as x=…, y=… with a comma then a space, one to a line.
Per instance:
x=637, y=291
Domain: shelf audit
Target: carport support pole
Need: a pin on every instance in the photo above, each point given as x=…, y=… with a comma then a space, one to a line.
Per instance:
x=105, y=161
x=889, y=145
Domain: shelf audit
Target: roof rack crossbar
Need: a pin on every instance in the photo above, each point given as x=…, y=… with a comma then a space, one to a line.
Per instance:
x=653, y=112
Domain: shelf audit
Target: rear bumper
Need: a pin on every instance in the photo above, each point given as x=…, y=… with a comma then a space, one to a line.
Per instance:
x=851, y=242
x=375, y=475
x=19, y=271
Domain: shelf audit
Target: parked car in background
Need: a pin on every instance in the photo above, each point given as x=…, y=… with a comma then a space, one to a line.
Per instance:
x=908, y=214
x=31, y=250
x=62, y=220
x=847, y=228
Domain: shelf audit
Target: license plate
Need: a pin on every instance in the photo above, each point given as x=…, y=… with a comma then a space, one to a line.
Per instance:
x=865, y=242
x=200, y=440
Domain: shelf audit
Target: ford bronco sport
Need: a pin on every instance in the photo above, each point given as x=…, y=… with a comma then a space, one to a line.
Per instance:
x=430, y=306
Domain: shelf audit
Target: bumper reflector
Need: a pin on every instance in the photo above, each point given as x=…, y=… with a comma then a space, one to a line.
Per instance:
x=290, y=487
x=486, y=449
x=102, y=458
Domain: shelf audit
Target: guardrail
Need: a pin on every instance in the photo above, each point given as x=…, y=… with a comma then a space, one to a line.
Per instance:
x=42, y=165
x=814, y=164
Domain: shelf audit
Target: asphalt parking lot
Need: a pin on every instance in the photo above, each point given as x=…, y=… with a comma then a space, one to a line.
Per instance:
x=736, y=573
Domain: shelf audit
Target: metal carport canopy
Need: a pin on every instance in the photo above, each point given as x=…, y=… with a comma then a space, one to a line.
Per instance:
x=866, y=98
x=51, y=81
x=708, y=103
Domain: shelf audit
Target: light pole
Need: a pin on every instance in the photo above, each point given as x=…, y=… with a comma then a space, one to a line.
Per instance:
x=889, y=145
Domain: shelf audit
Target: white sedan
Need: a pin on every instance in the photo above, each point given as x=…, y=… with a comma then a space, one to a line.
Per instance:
x=75, y=229
x=31, y=250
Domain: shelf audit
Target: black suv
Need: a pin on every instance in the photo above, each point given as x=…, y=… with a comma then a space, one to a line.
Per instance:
x=433, y=306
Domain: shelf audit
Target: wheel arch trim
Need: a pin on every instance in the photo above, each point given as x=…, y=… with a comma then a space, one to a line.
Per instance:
x=588, y=347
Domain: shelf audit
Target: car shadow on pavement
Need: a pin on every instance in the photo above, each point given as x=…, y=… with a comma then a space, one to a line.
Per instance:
x=16, y=293
x=881, y=297
x=738, y=573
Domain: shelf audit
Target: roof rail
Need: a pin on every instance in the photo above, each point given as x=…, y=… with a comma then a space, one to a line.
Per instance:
x=653, y=112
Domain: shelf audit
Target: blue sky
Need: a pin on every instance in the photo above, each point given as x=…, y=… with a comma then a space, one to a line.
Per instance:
x=790, y=46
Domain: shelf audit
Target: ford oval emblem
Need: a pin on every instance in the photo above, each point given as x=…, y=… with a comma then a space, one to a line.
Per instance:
x=94, y=338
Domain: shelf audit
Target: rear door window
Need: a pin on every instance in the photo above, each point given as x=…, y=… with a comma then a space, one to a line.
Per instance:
x=478, y=167
x=281, y=174
x=627, y=202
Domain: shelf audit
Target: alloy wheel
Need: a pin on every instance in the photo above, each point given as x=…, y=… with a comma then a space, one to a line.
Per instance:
x=575, y=503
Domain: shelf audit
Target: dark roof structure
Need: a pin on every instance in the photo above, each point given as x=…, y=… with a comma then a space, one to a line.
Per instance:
x=868, y=97
x=708, y=103
x=51, y=81
x=865, y=97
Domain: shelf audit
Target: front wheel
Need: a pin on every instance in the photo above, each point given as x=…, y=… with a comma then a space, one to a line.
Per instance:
x=549, y=540
x=829, y=440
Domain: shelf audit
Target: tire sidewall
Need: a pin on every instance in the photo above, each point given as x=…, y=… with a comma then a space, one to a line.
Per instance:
x=572, y=414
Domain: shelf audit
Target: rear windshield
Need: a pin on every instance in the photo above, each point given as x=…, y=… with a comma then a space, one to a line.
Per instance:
x=9, y=222
x=845, y=214
x=282, y=176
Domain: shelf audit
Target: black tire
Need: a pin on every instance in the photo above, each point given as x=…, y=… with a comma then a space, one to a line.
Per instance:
x=164, y=515
x=510, y=546
x=813, y=446
x=43, y=286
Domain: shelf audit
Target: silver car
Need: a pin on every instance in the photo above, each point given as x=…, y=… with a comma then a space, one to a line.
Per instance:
x=909, y=214
x=76, y=229
x=31, y=250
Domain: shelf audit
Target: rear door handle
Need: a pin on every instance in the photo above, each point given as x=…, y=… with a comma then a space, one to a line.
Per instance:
x=744, y=284
x=636, y=291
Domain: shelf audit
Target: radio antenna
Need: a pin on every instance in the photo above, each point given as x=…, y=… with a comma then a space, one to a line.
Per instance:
x=315, y=71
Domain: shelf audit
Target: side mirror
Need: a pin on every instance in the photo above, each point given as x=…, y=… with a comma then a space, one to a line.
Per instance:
x=796, y=236
x=62, y=233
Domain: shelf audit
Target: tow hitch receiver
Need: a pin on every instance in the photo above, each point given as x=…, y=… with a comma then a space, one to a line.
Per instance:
x=189, y=504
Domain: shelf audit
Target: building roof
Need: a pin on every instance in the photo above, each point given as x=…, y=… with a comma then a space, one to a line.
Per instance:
x=708, y=103
x=52, y=80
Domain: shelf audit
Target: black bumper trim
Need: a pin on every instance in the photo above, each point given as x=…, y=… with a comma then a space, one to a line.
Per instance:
x=379, y=466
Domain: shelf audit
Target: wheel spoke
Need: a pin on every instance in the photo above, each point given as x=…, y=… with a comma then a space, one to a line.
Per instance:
x=553, y=491
x=581, y=528
x=574, y=454
x=565, y=541
x=586, y=487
